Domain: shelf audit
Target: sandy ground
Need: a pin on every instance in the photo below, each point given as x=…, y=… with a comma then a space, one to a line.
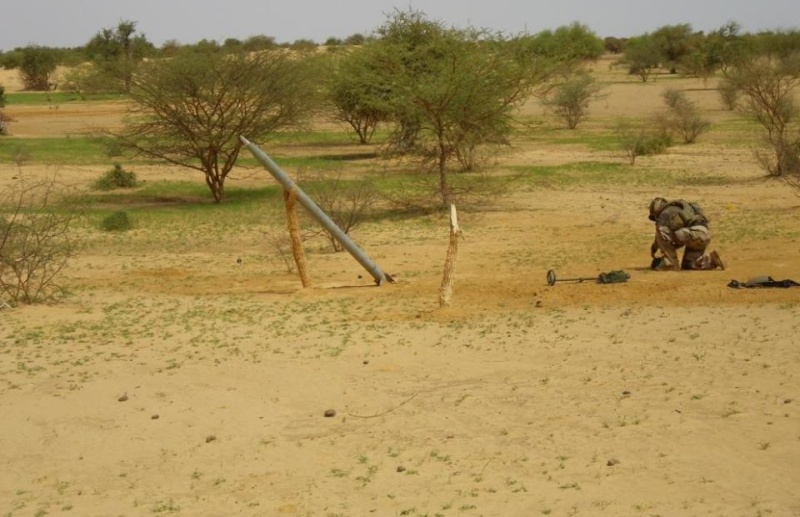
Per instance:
x=176, y=380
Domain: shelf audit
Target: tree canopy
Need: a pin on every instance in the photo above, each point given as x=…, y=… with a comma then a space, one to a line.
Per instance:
x=117, y=52
x=448, y=93
x=191, y=110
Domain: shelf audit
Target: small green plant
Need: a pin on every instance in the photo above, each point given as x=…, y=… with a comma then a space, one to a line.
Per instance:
x=116, y=178
x=637, y=140
x=728, y=95
x=682, y=117
x=570, y=100
x=118, y=221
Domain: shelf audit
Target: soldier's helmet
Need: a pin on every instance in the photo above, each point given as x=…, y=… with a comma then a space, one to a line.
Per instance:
x=656, y=206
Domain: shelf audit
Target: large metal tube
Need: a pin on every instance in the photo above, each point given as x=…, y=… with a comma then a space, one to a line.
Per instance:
x=317, y=212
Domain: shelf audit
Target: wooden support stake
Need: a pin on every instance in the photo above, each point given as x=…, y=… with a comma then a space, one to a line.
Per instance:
x=446, y=291
x=290, y=202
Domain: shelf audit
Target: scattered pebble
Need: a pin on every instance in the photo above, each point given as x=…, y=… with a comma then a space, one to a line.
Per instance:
x=365, y=362
x=401, y=468
x=154, y=417
x=787, y=401
x=210, y=438
x=123, y=398
x=329, y=413
x=612, y=462
x=626, y=393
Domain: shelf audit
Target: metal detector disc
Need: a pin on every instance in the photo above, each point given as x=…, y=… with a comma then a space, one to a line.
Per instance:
x=551, y=277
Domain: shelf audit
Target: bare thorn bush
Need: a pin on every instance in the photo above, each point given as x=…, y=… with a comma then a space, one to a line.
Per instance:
x=37, y=240
x=347, y=202
x=683, y=117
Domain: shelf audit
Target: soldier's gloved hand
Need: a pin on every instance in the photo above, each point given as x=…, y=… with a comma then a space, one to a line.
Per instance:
x=653, y=250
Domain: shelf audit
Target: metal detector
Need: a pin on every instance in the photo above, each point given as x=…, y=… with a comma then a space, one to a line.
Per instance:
x=551, y=278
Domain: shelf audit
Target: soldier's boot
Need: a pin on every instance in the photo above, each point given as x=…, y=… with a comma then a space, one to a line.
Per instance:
x=716, y=260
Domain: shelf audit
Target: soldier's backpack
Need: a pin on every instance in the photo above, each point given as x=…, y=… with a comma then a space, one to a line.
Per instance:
x=691, y=213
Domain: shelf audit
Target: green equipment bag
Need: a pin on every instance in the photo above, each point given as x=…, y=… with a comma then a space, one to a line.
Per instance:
x=613, y=277
x=762, y=282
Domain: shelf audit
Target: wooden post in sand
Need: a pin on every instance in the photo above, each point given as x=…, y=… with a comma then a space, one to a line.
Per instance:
x=446, y=291
x=290, y=202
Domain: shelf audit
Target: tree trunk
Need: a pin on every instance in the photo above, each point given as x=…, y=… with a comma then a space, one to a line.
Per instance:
x=444, y=185
x=217, y=187
x=290, y=202
x=446, y=291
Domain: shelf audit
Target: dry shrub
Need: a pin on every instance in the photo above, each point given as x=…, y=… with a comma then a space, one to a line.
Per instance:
x=347, y=203
x=37, y=240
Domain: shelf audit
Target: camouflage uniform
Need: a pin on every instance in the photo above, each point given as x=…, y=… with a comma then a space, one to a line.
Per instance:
x=681, y=224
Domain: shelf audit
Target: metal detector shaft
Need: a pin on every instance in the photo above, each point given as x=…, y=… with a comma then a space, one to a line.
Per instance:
x=551, y=278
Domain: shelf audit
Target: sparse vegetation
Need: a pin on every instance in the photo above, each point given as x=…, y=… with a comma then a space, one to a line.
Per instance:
x=118, y=221
x=37, y=241
x=570, y=100
x=116, y=177
x=209, y=372
x=37, y=66
x=636, y=139
x=347, y=202
x=768, y=86
x=682, y=117
x=191, y=110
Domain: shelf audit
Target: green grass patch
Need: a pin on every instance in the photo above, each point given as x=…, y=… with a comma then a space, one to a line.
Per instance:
x=180, y=195
x=44, y=98
x=592, y=173
x=611, y=174
x=307, y=138
x=592, y=139
x=62, y=151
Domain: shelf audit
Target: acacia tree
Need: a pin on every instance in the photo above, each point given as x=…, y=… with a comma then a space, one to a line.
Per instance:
x=714, y=52
x=450, y=91
x=357, y=94
x=570, y=100
x=116, y=53
x=642, y=56
x=37, y=66
x=674, y=43
x=768, y=87
x=191, y=110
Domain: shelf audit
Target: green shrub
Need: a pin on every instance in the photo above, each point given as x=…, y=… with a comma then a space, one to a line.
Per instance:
x=570, y=100
x=651, y=144
x=116, y=178
x=683, y=117
x=640, y=140
x=118, y=221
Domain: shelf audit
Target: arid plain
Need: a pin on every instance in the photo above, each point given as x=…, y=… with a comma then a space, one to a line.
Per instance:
x=178, y=379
